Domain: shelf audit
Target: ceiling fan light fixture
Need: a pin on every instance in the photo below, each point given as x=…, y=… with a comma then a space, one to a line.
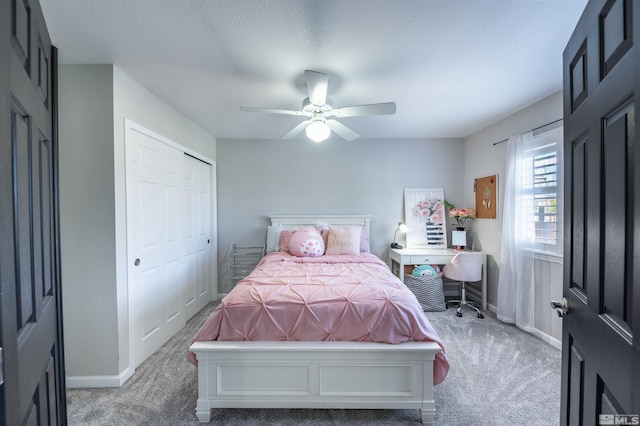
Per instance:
x=318, y=107
x=318, y=131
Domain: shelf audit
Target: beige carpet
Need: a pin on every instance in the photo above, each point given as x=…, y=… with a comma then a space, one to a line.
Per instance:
x=499, y=375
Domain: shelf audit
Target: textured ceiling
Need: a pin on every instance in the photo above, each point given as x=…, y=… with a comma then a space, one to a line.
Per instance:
x=452, y=67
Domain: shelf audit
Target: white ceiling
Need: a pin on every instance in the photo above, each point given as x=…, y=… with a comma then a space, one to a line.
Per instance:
x=452, y=67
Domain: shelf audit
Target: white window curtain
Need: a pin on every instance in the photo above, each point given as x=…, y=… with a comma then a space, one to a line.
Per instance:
x=516, y=295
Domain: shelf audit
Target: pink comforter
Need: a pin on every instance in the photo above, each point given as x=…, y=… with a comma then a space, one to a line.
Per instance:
x=346, y=297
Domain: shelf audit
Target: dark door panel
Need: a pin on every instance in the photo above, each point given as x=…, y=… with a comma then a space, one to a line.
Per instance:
x=601, y=348
x=33, y=391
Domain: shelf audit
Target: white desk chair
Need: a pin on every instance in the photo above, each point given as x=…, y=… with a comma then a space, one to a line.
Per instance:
x=466, y=266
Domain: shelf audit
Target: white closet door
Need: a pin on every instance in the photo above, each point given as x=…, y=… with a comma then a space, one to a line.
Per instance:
x=197, y=234
x=156, y=244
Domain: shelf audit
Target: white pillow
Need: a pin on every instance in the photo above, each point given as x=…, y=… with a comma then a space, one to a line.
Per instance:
x=273, y=238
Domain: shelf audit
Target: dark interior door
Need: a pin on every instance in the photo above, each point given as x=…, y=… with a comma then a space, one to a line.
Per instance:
x=600, y=343
x=32, y=389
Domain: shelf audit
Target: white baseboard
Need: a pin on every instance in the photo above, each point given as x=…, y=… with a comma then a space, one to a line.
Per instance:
x=549, y=339
x=539, y=334
x=99, y=381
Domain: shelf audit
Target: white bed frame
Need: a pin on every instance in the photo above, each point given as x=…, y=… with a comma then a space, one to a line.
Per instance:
x=338, y=375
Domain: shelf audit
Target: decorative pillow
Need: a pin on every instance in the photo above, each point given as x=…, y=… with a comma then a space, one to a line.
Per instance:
x=285, y=236
x=325, y=237
x=273, y=238
x=306, y=242
x=364, y=238
x=344, y=240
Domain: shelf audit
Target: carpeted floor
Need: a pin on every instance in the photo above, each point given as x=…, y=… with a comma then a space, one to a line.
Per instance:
x=499, y=375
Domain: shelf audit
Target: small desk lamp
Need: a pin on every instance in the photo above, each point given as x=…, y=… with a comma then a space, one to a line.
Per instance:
x=403, y=229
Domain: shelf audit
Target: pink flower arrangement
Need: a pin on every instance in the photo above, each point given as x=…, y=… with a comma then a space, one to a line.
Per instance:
x=461, y=216
x=431, y=210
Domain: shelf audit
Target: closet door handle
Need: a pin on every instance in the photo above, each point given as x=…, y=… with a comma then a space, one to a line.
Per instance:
x=136, y=262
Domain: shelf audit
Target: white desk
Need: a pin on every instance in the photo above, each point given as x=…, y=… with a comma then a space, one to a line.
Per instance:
x=428, y=256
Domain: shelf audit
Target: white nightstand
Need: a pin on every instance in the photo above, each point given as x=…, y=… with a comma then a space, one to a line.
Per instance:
x=425, y=256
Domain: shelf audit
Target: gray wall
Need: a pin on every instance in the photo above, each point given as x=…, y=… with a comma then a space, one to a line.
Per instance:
x=261, y=177
x=94, y=100
x=482, y=158
x=87, y=217
x=136, y=103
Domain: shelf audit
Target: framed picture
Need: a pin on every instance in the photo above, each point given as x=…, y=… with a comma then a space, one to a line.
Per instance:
x=425, y=216
x=486, y=189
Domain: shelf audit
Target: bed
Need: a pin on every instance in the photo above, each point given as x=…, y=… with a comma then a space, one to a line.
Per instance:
x=336, y=331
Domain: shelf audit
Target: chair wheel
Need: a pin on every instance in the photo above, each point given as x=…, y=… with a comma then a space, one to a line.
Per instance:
x=480, y=316
x=458, y=314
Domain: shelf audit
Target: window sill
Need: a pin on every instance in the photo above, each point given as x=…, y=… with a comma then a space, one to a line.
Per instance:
x=548, y=256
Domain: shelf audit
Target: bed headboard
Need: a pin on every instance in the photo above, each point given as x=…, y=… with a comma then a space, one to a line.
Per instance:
x=292, y=221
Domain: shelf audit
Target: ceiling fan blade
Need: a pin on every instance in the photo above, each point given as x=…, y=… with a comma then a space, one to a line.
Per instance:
x=342, y=130
x=271, y=110
x=317, y=84
x=293, y=132
x=371, y=109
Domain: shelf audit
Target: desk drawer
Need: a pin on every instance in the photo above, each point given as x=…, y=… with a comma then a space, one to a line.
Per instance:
x=436, y=259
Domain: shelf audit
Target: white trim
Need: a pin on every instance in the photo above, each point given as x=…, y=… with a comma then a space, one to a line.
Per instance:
x=548, y=257
x=132, y=125
x=547, y=338
x=99, y=381
x=539, y=334
x=289, y=220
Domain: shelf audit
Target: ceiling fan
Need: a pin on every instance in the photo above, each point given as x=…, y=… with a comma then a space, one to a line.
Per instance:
x=319, y=110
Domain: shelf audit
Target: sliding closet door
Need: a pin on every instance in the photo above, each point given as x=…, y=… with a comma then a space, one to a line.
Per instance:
x=170, y=242
x=156, y=244
x=197, y=234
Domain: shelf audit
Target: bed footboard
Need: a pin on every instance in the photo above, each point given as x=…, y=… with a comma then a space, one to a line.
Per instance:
x=338, y=375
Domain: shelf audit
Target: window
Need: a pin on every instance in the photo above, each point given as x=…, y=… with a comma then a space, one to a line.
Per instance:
x=547, y=191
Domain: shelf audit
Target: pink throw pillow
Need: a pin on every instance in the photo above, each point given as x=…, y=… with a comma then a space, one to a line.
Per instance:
x=306, y=242
x=344, y=240
x=364, y=239
x=285, y=236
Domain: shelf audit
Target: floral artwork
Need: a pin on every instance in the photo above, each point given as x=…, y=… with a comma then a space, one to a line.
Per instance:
x=425, y=217
x=431, y=210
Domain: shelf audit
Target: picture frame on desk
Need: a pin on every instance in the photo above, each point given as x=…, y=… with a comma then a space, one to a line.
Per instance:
x=425, y=216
